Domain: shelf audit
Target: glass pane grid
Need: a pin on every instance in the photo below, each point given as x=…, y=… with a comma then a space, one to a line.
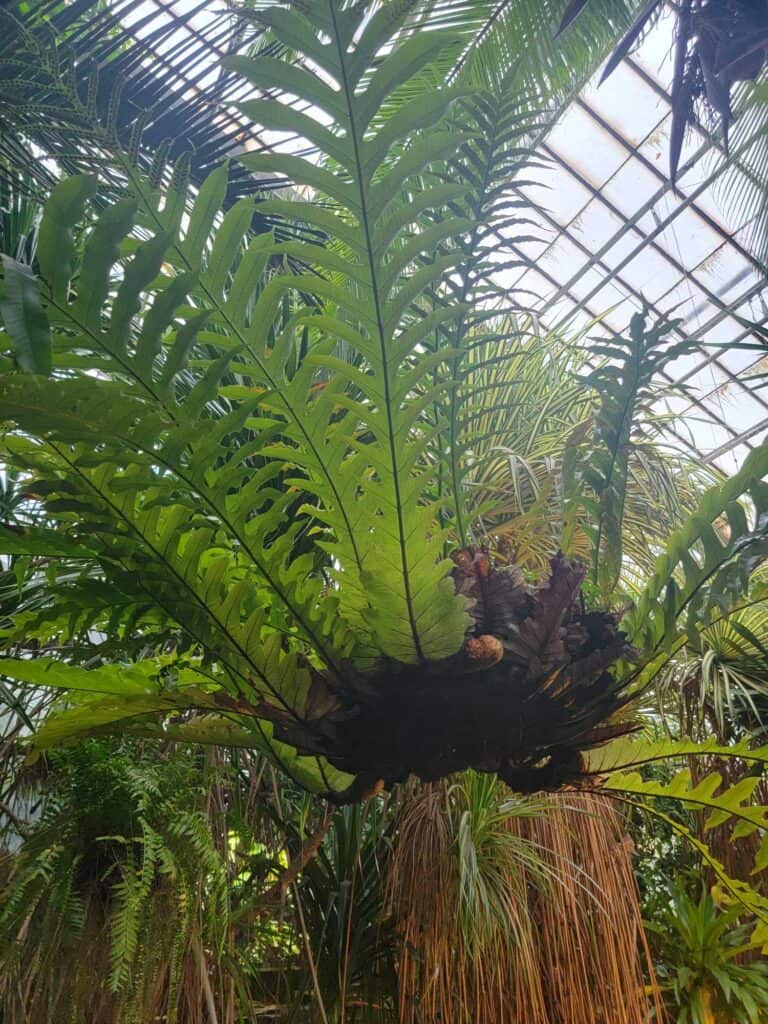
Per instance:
x=645, y=242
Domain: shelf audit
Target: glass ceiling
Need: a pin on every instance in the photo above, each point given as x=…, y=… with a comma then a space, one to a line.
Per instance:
x=613, y=233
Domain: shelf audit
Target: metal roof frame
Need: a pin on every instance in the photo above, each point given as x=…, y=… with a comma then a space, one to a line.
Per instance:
x=719, y=307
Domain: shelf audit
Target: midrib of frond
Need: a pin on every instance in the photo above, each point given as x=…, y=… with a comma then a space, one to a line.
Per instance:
x=461, y=331
x=391, y=439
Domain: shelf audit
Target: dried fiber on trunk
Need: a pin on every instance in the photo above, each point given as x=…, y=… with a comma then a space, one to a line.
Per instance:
x=572, y=946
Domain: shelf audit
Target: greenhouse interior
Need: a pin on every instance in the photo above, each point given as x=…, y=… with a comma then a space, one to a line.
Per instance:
x=384, y=511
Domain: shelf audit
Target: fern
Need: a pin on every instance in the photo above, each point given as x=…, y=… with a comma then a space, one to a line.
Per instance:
x=626, y=385
x=228, y=572
x=706, y=567
x=123, y=840
x=619, y=766
x=482, y=183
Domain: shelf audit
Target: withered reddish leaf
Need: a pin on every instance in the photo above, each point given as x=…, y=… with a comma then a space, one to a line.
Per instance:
x=541, y=638
x=498, y=599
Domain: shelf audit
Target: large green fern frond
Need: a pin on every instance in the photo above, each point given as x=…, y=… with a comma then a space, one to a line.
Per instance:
x=200, y=425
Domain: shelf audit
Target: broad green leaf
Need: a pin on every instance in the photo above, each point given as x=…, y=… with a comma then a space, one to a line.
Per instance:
x=56, y=243
x=101, y=252
x=24, y=318
x=227, y=244
x=270, y=73
x=113, y=679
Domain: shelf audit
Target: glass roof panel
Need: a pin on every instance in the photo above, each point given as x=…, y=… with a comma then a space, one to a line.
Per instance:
x=676, y=248
x=574, y=139
x=626, y=91
x=595, y=224
x=740, y=362
x=629, y=186
x=689, y=238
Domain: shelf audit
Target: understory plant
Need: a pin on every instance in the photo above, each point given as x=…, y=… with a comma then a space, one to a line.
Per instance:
x=518, y=908
x=701, y=964
x=113, y=890
x=256, y=455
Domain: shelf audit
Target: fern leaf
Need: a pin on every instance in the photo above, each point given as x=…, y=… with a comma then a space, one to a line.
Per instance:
x=624, y=754
x=707, y=563
x=423, y=620
x=623, y=384
x=747, y=896
x=56, y=244
x=24, y=318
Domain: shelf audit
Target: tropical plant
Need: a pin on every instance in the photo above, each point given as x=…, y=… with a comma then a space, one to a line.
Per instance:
x=342, y=893
x=718, y=686
x=119, y=876
x=700, y=950
x=262, y=447
x=519, y=908
x=535, y=413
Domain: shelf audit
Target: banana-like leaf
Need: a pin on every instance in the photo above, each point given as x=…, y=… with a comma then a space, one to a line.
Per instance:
x=23, y=317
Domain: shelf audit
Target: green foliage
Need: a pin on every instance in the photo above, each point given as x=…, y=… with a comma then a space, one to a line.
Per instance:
x=719, y=683
x=621, y=763
x=342, y=893
x=495, y=865
x=700, y=953
x=627, y=385
x=262, y=449
x=252, y=453
x=706, y=566
x=24, y=318
x=164, y=486
x=123, y=848
x=19, y=209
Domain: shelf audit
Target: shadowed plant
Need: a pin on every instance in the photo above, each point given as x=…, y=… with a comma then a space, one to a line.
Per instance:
x=700, y=951
x=114, y=894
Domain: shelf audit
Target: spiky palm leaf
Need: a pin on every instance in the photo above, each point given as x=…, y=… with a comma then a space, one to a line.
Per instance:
x=720, y=683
